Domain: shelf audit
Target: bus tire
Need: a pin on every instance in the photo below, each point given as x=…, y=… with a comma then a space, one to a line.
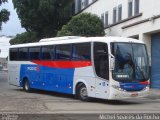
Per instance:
x=82, y=93
x=26, y=86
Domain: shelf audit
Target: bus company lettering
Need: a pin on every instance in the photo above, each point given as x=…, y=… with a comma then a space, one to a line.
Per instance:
x=33, y=68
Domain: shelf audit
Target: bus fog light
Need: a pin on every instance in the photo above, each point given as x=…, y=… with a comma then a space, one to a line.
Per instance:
x=147, y=87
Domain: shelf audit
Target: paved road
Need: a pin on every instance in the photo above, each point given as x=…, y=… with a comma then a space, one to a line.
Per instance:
x=13, y=99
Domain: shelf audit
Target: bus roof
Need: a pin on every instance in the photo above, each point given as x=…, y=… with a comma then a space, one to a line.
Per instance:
x=76, y=39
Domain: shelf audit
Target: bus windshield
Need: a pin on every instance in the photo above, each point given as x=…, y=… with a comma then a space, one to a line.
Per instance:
x=131, y=62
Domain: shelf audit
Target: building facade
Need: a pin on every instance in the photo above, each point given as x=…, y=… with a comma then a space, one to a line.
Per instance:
x=138, y=19
x=4, y=48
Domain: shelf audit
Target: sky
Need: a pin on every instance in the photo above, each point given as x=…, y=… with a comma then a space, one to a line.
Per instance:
x=10, y=28
x=13, y=26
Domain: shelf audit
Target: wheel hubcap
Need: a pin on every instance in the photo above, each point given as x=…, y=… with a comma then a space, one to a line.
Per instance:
x=26, y=85
x=83, y=92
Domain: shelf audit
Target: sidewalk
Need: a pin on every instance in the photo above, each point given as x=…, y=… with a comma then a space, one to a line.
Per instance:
x=154, y=94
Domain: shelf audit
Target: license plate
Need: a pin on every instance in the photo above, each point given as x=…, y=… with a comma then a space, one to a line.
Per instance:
x=134, y=95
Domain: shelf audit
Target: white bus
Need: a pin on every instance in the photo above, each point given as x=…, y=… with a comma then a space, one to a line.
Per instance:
x=87, y=67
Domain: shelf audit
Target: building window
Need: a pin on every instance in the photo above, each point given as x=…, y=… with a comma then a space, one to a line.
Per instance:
x=102, y=18
x=130, y=3
x=79, y=5
x=119, y=12
x=106, y=19
x=114, y=15
x=86, y=3
x=136, y=7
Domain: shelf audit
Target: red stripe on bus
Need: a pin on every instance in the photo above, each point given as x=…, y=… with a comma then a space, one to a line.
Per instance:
x=63, y=64
x=145, y=83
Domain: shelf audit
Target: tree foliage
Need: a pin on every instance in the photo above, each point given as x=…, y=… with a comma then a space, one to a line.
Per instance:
x=24, y=38
x=2, y=1
x=4, y=14
x=45, y=17
x=85, y=24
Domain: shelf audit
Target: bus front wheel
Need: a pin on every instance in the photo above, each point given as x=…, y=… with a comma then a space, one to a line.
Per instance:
x=26, y=86
x=82, y=93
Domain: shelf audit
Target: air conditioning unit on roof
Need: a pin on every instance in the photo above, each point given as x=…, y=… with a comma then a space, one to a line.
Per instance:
x=59, y=38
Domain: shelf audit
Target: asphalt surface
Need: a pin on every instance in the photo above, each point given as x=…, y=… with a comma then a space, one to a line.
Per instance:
x=41, y=104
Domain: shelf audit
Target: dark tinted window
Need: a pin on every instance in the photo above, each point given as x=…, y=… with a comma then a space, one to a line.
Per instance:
x=13, y=54
x=102, y=18
x=34, y=53
x=81, y=51
x=131, y=62
x=119, y=12
x=23, y=53
x=47, y=53
x=79, y=5
x=136, y=7
x=114, y=15
x=63, y=52
x=130, y=9
x=106, y=19
x=101, y=62
x=86, y=3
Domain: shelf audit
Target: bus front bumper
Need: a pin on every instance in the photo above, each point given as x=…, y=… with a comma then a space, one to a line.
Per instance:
x=116, y=94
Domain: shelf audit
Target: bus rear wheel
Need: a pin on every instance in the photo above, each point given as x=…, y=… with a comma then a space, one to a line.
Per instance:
x=26, y=86
x=82, y=93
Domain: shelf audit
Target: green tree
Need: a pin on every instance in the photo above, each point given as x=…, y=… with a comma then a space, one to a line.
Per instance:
x=25, y=37
x=85, y=24
x=4, y=14
x=45, y=17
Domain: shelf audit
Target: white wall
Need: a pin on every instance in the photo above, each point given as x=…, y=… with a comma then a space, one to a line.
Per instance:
x=148, y=8
x=4, y=46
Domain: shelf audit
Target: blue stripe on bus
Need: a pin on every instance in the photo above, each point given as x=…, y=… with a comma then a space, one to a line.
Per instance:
x=46, y=78
x=132, y=86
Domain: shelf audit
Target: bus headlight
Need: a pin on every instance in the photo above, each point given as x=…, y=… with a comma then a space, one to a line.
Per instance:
x=117, y=87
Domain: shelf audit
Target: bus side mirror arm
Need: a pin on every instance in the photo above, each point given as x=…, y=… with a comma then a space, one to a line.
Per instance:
x=112, y=62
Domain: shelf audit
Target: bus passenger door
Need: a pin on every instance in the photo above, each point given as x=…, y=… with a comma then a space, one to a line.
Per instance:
x=101, y=65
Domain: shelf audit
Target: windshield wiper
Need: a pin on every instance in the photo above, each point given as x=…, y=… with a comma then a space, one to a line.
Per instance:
x=139, y=69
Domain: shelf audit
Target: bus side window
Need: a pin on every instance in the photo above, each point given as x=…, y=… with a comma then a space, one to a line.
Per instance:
x=47, y=53
x=34, y=53
x=81, y=51
x=63, y=52
x=13, y=54
x=101, y=62
x=23, y=53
